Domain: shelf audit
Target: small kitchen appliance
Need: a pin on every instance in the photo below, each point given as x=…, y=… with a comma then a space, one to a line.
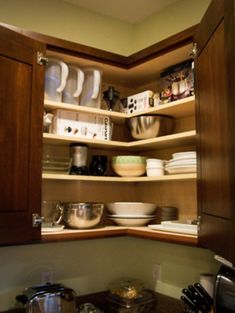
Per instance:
x=49, y=298
x=224, y=290
x=79, y=159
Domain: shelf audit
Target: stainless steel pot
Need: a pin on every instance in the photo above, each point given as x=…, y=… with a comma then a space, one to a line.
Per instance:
x=82, y=215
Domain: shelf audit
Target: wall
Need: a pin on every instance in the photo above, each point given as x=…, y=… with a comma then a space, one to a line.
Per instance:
x=66, y=21
x=90, y=265
x=171, y=20
x=63, y=20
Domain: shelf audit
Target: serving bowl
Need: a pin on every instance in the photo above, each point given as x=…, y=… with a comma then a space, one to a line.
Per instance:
x=129, y=165
x=82, y=215
x=132, y=208
x=150, y=126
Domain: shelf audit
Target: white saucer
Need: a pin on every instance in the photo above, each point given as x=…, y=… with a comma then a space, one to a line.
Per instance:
x=52, y=229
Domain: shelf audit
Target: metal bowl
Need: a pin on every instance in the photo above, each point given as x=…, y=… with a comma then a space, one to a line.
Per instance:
x=82, y=215
x=150, y=126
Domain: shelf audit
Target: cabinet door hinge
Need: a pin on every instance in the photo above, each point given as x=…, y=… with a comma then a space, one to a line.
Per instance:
x=193, y=52
x=199, y=220
x=36, y=220
x=41, y=59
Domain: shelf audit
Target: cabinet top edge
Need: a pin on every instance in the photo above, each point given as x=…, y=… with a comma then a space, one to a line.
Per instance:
x=76, y=49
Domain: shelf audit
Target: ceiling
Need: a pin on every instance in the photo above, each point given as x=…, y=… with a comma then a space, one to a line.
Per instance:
x=131, y=11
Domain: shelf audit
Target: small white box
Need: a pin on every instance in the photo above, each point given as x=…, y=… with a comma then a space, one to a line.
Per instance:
x=140, y=101
x=81, y=125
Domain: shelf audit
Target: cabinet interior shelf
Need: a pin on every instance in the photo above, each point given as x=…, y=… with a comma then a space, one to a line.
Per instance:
x=176, y=109
x=187, y=176
x=114, y=231
x=179, y=139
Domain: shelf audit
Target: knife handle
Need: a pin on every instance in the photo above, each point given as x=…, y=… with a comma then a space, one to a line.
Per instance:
x=201, y=302
x=203, y=292
x=189, y=304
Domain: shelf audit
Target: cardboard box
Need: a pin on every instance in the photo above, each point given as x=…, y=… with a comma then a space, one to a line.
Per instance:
x=140, y=101
x=177, y=82
x=81, y=125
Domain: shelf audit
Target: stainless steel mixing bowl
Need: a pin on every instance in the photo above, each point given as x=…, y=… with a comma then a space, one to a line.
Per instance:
x=82, y=215
x=150, y=126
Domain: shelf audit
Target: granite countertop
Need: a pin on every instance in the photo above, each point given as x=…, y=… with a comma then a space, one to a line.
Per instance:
x=163, y=304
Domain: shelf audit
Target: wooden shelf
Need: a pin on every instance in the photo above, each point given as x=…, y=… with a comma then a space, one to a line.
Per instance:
x=113, y=231
x=179, y=139
x=188, y=176
x=117, y=117
x=179, y=108
x=176, y=109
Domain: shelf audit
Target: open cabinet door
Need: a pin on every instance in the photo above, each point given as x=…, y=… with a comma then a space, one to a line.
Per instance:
x=21, y=114
x=215, y=107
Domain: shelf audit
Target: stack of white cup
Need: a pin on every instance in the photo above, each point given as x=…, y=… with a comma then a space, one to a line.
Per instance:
x=154, y=167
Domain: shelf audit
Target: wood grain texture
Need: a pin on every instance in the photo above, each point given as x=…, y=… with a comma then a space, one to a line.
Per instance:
x=215, y=127
x=21, y=106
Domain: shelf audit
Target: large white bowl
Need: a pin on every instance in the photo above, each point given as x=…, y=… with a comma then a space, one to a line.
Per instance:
x=131, y=208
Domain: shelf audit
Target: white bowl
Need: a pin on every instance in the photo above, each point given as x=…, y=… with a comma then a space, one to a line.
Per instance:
x=133, y=208
x=154, y=171
x=154, y=162
x=131, y=221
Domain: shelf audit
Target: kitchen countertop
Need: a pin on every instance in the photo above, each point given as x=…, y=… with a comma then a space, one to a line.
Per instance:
x=163, y=303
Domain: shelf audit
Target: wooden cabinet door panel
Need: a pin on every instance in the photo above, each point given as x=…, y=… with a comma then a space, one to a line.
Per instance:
x=14, y=134
x=214, y=69
x=21, y=111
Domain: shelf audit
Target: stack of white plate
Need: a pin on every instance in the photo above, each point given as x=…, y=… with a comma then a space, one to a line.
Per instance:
x=182, y=162
x=131, y=220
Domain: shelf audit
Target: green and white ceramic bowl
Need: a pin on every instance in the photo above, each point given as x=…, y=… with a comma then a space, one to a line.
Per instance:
x=129, y=165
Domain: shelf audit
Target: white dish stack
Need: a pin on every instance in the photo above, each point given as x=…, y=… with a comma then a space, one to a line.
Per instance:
x=131, y=213
x=182, y=162
x=154, y=167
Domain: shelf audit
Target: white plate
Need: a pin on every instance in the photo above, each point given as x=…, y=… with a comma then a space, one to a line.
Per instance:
x=187, y=154
x=182, y=169
x=52, y=229
x=182, y=162
x=131, y=221
x=172, y=229
x=131, y=216
x=178, y=224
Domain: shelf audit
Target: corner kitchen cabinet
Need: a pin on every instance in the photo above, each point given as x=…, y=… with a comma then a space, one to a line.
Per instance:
x=133, y=74
x=129, y=75
x=21, y=111
x=215, y=77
